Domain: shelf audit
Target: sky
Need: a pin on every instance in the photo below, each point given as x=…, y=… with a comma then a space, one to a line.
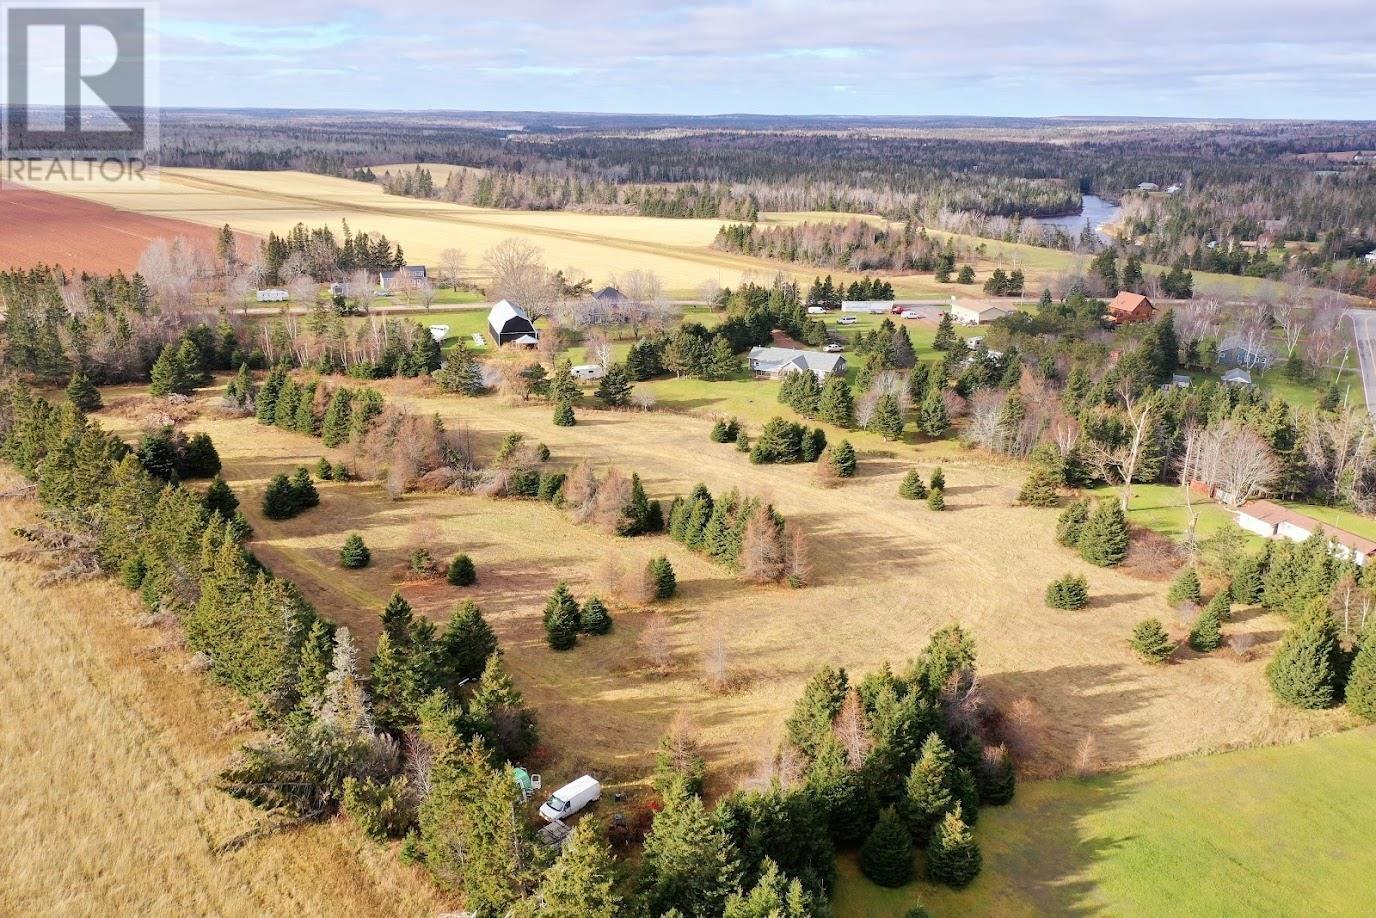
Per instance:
x=1167, y=58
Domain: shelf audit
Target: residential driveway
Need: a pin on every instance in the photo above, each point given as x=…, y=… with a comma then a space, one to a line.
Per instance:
x=1364, y=331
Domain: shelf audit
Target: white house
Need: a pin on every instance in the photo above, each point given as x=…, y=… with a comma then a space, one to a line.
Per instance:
x=272, y=295
x=1272, y=521
x=776, y=362
x=979, y=313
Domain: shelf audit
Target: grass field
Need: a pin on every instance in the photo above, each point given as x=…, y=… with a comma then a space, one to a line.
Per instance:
x=110, y=744
x=888, y=573
x=679, y=251
x=1278, y=831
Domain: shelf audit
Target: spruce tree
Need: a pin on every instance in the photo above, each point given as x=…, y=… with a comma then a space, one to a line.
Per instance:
x=689, y=863
x=888, y=417
x=946, y=338
x=1207, y=633
x=1150, y=641
x=561, y=618
x=927, y=792
x=933, y=418
x=823, y=695
x=280, y=500
x=835, y=406
x=996, y=777
x=661, y=574
x=1104, y=538
x=465, y=645
x=563, y=414
x=886, y=857
x=953, y=855
x=169, y=376
x=1185, y=588
x=582, y=883
x=354, y=554
x=1361, y=680
x=334, y=429
x=304, y=489
x=936, y=499
x=1305, y=670
x=843, y=459
x=1071, y=522
x=938, y=479
x=461, y=571
x=82, y=394
x=1070, y=592
x=219, y=498
x=614, y=390
x=594, y=617
x=912, y=486
x=1041, y=488
x=265, y=408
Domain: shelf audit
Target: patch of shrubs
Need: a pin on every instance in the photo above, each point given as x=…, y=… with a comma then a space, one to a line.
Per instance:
x=783, y=441
x=286, y=497
x=565, y=620
x=725, y=430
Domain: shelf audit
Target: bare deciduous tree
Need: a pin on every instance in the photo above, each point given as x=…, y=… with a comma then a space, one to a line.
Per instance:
x=1233, y=460
x=1119, y=462
x=852, y=730
x=451, y=266
x=654, y=645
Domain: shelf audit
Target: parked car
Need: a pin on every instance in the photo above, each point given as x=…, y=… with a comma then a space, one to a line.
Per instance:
x=911, y=314
x=896, y=310
x=571, y=798
x=815, y=310
x=847, y=320
x=834, y=348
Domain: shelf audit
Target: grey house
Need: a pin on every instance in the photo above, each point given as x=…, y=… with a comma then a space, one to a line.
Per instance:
x=776, y=362
x=509, y=324
x=1234, y=351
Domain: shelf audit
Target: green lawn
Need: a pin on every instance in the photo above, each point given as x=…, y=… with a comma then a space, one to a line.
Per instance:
x=1276, y=831
x=1161, y=508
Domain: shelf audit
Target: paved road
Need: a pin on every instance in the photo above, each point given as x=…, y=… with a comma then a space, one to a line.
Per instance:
x=1364, y=331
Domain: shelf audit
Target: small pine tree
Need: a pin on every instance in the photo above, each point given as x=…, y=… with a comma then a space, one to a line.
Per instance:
x=1041, y=488
x=1305, y=670
x=936, y=499
x=1361, y=680
x=843, y=459
x=662, y=575
x=886, y=857
x=219, y=498
x=461, y=571
x=1104, y=538
x=82, y=394
x=913, y=487
x=938, y=481
x=1207, y=633
x=280, y=501
x=562, y=617
x=354, y=554
x=323, y=470
x=996, y=777
x=953, y=856
x=306, y=495
x=1071, y=522
x=594, y=618
x=1070, y=592
x=934, y=419
x=563, y=414
x=720, y=432
x=742, y=443
x=614, y=390
x=1185, y=588
x=1150, y=641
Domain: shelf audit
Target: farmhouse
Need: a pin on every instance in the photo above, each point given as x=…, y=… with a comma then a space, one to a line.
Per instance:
x=978, y=313
x=272, y=296
x=776, y=362
x=1126, y=308
x=509, y=324
x=609, y=294
x=390, y=280
x=1237, y=351
x=1273, y=521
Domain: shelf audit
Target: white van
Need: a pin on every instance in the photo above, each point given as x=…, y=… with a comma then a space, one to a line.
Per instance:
x=571, y=798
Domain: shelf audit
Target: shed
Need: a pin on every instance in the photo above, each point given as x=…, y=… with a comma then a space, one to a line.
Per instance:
x=1237, y=377
x=509, y=324
x=272, y=295
x=875, y=307
x=979, y=313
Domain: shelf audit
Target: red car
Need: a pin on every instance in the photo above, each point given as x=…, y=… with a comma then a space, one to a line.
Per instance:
x=896, y=310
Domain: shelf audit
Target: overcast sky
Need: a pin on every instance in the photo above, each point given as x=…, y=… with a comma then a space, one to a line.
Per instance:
x=1262, y=58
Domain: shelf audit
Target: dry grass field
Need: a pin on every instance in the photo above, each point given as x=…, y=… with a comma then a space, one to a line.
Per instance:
x=110, y=745
x=889, y=572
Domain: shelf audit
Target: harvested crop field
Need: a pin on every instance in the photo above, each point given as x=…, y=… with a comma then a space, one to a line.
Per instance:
x=40, y=227
x=112, y=741
x=889, y=572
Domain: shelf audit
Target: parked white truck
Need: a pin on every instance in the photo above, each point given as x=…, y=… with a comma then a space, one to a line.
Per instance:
x=571, y=798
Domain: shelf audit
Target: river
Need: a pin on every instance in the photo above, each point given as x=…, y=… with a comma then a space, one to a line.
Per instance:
x=1096, y=210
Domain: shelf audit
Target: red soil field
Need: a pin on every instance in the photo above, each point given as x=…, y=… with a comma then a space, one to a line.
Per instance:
x=39, y=227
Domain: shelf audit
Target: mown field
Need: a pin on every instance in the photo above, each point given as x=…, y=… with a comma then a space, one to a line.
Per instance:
x=110, y=744
x=1278, y=831
x=679, y=251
